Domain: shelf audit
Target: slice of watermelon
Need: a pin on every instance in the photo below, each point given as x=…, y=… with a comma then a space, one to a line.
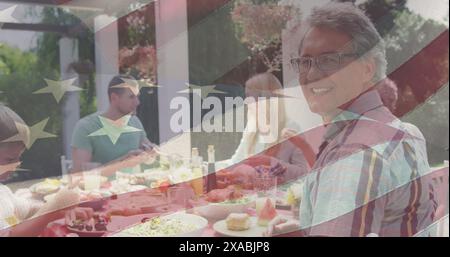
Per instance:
x=267, y=213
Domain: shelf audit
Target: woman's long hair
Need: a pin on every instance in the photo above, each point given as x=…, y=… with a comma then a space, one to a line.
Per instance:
x=265, y=84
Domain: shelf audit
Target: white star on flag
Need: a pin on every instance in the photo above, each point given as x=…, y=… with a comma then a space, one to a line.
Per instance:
x=114, y=128
x=29, y=135
x=6, y=15
x=115, y=10
x=205, y=90
x=58, y=88
x=135, y=85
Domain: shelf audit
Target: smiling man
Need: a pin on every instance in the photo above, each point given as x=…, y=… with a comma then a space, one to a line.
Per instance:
x=370, y=173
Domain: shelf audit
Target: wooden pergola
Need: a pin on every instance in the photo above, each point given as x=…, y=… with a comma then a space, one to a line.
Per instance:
x=172, y=51
x=172, y=43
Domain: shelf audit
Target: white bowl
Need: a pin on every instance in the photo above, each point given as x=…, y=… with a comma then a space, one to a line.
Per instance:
x=191, y=219
x=196, y=220
x=219, y=211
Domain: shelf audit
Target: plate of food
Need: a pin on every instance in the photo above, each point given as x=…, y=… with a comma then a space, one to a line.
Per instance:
x=242, y=225
x=217, y=211
x=144, y=201
x=173, y=225
x=239, y=225
x=219, y=203
x=46, y=187
x=119, y=223
x=94, y=227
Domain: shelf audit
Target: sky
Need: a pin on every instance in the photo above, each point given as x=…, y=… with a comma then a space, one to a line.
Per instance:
x=21, y=39
x=432, y=9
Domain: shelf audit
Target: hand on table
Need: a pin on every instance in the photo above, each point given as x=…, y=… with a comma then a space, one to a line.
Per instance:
x=134, y=157
x=241, y=174
x=152, y=151
x=264, y=160
x=277, y=169
x=281, y=225
x=149, y=147
x=63, y=199
x=79, y=213
x=259, y=160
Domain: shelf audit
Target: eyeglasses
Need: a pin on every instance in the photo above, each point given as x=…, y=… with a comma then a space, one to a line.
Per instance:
x=325, y=62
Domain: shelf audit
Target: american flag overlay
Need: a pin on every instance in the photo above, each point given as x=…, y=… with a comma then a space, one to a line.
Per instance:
x=224, y=118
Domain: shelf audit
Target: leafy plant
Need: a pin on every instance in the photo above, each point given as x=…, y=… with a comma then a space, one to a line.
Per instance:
x=137, y=54
x=259, y=25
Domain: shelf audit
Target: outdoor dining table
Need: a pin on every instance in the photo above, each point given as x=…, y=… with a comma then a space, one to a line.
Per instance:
x=59, y=229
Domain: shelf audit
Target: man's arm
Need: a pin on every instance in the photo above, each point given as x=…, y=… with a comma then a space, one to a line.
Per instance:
x=82, y=148
x=34, y=226
x=133, y=158
x=146, y=145
x=50, y=211
x=81, y=156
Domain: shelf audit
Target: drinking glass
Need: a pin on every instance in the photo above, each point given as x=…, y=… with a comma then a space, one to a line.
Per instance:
x=266, y=189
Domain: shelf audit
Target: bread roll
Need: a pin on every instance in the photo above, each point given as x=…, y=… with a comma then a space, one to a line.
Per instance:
x=238, y=221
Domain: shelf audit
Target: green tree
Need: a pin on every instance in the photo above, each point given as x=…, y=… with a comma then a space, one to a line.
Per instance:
x=21, y=76
x=423, y=101
x=47, y=51
x=22, y=73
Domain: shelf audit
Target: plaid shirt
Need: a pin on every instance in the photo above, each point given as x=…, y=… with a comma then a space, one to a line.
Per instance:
x=369, y=177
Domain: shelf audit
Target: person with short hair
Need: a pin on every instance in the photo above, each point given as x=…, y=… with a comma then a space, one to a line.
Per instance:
x=388, y=91
x=131, y=145
x=370, y=176
x=18, y=216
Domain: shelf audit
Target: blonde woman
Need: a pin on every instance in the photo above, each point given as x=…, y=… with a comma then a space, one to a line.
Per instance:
x=263, y=140
x=261, y=132
x=14, y=135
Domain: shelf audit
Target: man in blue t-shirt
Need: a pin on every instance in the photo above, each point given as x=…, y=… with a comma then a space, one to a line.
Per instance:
x=115, y=137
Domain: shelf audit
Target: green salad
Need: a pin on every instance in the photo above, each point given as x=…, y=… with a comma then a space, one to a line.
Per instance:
x=161, y=227
x=242, y=200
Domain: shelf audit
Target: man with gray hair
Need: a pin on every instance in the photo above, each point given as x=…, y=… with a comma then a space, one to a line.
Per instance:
x=370, y=173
